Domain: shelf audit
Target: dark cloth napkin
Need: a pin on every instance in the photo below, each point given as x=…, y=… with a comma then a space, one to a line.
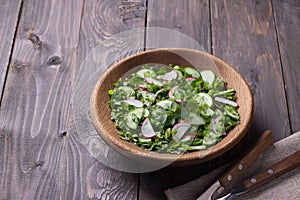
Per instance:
x=286, y=186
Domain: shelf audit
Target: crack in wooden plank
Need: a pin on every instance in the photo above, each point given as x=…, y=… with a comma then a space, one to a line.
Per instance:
x=16, y=26
x=281, y=66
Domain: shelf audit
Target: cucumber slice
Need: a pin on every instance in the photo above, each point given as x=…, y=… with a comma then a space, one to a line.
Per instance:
x=132, y=118
x=146, y=113
x=208, y=76
x=191, y=71
x=128, y=90
x=195, y=119
x=129, y=121
x=207, y=112
x=146, y=73
x=169, y=76
x=139, y=112
x=165, y=104
x=204, y=97
x=209, y=141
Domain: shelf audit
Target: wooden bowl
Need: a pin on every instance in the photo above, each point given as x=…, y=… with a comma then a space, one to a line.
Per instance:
x=100, y=111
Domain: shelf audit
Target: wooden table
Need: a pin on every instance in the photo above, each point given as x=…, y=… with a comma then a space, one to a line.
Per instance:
x=44, y=42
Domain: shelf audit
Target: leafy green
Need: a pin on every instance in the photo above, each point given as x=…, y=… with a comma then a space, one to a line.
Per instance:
x=167, y=103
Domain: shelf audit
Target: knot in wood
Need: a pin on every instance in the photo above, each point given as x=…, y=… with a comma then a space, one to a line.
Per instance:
x=35, y=40
x=39, y=163
x=63, y=134
x=54, y=60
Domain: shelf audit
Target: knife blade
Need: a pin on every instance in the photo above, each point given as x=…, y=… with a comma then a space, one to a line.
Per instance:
x=289, y=163
x=264, y=141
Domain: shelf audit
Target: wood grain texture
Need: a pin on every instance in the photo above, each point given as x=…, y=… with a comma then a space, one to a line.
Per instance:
x=9, y=17
x=100, y=21
x=287, y=19
x=103, y=19
x=188, y=17
x=41, y=156
x=193, y=19
x=243, y=34
x=39, y=160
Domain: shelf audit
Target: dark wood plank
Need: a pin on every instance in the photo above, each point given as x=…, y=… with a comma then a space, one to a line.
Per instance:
x=287, y=18
x=41, y=155
x=188, y=17
x=39, y=161
x=102, y=20
x=9, y=17
x=243, y=34
x=191, y=18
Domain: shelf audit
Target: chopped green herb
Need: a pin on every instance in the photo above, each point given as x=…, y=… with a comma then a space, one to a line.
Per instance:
x=173, y=109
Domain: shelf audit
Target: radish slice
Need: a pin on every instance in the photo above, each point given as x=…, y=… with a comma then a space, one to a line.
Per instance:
x=214, y=123
x=226, y=101
x=208, y=76
x=153, y=81
x=190, y=135
x=179, y=73
x=175, y=93
x=142, y=87
x=170, y=93
x=147, y=129
x=214, y=128
x=181, y=129
x=133, y=102
x=169, y=76
x=190, y=79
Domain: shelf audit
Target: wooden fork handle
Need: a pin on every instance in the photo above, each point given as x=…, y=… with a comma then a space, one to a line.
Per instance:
x=264, y=141
x=274, y=171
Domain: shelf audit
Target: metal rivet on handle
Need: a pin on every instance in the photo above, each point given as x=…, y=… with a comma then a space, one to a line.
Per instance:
x=270, y=171
x=229, y=177
x=240, y=167
x=253, y=180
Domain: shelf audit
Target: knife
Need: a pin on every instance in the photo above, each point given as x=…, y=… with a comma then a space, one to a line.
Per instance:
x=264, y=141
x=268, y=174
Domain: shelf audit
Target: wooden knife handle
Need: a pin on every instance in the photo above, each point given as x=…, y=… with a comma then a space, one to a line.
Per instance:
x=273, y=171
x=264, y=141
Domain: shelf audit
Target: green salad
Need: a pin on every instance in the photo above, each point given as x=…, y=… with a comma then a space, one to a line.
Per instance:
x=173, y=109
